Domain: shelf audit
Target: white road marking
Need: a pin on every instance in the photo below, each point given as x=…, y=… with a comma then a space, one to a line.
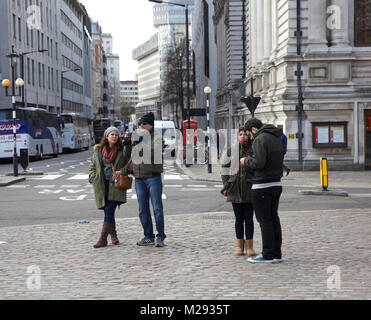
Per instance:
x=172, y=177
x=47, y=177
x=79, y=177
x=18, y=186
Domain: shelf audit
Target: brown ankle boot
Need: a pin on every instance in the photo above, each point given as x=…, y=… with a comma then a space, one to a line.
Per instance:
x=249, y=245
x=106, y=229
x=239, y=247
x=113, y=235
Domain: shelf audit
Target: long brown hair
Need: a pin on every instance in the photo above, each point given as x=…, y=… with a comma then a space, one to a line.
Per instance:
x=104, y=142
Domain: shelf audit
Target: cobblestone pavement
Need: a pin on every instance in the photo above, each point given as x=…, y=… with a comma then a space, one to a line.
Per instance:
x=327, y=256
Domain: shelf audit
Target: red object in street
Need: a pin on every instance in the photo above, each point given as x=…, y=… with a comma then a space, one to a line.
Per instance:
x=193, y=127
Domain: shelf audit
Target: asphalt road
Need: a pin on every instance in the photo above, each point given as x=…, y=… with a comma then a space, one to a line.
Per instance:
x=64, y=195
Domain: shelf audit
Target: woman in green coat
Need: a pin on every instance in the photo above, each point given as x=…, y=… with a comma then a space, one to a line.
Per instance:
x=110, y=152
x=237, y=185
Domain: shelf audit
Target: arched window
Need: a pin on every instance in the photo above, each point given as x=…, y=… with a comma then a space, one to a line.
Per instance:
x=362, y=23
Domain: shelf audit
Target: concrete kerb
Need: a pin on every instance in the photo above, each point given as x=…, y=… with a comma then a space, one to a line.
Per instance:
x=6, y=181
x=26, y=173
x=320, y=192
x=9, y=179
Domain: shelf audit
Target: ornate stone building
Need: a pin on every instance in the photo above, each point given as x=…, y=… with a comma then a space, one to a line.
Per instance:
x=311, y=65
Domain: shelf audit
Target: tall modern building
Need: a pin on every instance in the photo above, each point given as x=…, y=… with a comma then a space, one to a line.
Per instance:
x=113, y=77
x=148, y=59
x=129, y=92
x=170, y=21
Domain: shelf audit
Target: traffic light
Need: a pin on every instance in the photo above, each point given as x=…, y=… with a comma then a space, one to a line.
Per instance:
x=251, y=103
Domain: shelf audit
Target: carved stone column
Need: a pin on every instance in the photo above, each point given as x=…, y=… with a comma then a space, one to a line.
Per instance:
x=253, y=32
x=339, y=28
x=267, y=16
x=317, y=20
x=260, y=31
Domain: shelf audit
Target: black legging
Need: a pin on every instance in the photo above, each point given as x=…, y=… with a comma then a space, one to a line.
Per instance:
x=244, y=215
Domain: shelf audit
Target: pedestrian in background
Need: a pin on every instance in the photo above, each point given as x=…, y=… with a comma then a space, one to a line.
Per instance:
x=284, y=142
x=266, y=164
x=237, y=186
x=110, y=152
x=148, y=184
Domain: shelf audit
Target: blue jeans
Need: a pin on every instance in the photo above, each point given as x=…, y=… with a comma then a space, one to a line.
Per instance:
x=147, y=188
x=109, y=211
x=244, y=220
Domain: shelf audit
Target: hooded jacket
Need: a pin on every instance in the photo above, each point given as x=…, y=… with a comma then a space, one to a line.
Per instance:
x=267, y=155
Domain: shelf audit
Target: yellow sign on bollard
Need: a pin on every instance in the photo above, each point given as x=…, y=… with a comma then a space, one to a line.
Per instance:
x=323, y=172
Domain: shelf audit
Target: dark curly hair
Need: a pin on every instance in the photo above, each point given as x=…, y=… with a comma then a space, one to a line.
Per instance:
x=253, y=123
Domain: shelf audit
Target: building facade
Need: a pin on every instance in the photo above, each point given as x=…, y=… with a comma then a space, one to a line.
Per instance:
x=113, y=77
x=309, y=61
x=52, y=39
x=29, y=29
x=73, y=51
x=129, y=92
x=204, y=53
x=149, y=78
x=97, y=84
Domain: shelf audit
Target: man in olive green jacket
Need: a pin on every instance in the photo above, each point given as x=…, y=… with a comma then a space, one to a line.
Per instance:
x=147, y=168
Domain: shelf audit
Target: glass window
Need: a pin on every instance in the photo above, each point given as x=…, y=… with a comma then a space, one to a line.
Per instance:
x=362, y=23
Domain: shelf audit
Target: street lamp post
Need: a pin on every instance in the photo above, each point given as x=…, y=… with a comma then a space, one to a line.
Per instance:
x=207, y=91
x=62, y=72
x=19, y=83
x=185, y=5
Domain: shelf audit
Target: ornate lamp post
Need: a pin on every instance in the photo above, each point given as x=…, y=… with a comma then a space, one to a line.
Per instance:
x=207, y=91
x=6, y=84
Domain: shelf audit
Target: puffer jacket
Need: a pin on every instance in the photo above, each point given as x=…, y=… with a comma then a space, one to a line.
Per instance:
x=267, y=155
x=96, y=176
x=238, y=184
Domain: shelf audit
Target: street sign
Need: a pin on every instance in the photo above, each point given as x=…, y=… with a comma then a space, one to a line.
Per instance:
x=196, y=112
x=251, y=103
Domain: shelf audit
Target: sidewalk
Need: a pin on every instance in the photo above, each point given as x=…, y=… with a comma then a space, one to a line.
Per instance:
x=306, y=179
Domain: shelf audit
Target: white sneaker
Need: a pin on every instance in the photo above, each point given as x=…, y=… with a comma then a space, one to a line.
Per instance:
x=260, y=259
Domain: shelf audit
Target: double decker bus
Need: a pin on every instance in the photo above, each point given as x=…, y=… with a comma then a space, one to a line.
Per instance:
x=75, y=132
x=37, y=130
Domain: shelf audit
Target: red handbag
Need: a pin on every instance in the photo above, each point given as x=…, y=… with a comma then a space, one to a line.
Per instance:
x=224, y=192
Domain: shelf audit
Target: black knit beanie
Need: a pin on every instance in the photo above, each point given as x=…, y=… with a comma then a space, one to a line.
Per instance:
x=148, y=118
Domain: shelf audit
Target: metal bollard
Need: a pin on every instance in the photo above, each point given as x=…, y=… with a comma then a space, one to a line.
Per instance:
x=324, y=173
x=24, y=159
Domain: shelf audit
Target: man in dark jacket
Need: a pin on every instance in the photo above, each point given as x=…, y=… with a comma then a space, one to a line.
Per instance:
x=147, y=168
x=266, y=164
